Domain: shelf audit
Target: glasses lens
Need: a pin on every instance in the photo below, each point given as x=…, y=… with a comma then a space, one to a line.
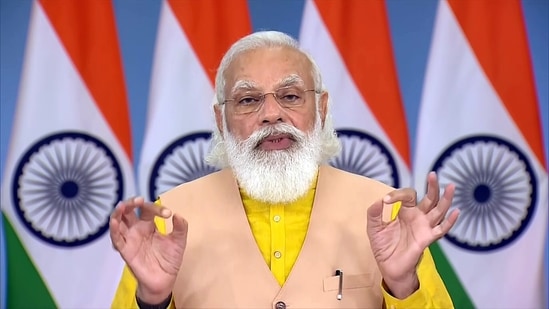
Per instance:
x=290, y=96
x=246, y=103
x=287, y=97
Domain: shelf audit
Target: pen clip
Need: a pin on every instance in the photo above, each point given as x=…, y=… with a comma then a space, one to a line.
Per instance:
x=339, y=273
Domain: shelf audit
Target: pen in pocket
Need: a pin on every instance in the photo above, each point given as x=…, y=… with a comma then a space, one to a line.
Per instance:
x=339, y=273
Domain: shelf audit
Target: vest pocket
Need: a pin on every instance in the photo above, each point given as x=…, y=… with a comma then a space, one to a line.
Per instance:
x=349, y=282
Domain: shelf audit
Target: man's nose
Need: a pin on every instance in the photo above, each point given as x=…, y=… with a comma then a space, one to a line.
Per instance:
x=271, y=111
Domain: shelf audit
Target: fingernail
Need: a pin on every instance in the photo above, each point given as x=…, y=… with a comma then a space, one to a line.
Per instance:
x=386, y=198
x=166, y=212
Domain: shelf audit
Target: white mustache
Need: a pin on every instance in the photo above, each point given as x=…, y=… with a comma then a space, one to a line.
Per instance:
x=276, y=129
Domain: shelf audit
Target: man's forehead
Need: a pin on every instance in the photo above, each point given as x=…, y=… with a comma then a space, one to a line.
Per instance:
x=268, y=67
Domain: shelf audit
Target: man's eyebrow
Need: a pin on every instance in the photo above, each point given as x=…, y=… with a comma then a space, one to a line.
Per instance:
x=243, y=85
x=291, y=80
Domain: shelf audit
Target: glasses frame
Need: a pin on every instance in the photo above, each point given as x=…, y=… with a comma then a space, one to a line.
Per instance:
x=263, y=99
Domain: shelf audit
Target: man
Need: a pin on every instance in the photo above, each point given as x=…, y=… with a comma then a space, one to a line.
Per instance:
x=276, y=227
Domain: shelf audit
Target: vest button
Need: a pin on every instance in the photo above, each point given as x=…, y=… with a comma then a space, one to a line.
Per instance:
x=280, y=305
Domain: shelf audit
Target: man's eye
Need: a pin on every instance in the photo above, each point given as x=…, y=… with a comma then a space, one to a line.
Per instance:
x=289, y=97
x=248, y=100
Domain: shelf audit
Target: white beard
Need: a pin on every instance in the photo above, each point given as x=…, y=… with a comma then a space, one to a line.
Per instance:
x=276, y=176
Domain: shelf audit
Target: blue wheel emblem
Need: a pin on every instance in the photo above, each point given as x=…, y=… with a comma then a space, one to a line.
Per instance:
x=495, y=191
x=365, y=155
x=182, y=161
x=65, y=187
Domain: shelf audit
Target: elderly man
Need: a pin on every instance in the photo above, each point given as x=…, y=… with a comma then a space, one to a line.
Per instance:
x=277, y=227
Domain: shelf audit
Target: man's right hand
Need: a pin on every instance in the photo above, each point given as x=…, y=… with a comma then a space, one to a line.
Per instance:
x=153, y=258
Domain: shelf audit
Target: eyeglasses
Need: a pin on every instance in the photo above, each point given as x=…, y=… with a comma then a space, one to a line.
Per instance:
x=251, y=102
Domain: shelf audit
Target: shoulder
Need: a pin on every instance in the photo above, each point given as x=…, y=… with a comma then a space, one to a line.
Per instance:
x=340, y=177
x=211, y=181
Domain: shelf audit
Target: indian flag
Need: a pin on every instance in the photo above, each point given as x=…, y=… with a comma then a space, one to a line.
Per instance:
x=479, y=128
x=351, y=43
x=69, y=159
x=192, y=37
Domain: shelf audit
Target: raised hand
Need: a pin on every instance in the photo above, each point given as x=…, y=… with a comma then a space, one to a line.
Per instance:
x=398, y=245
x=153, y=258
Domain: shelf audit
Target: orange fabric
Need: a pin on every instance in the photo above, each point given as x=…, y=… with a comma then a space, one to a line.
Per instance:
x=497, y=34
x=360, y=30
x=96, y=56
x=211, y=27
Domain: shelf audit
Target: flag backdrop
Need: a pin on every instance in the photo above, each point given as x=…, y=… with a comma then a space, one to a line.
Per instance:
x=471, y=125
x=69, y=160
x=479, y=128
x=192, y=38
x=350, y=42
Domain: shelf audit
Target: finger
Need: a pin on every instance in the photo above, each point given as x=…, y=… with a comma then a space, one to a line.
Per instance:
x=118, y=211
x=375, y=217
x=120, y=214
x=180, y=227
x=125, y=207
x=444, y=227
x=117, y=239
x=433, y=191
x=407, y=197
x=148, y=210
x=438, y=213
x=151, y=210
x=129, y=216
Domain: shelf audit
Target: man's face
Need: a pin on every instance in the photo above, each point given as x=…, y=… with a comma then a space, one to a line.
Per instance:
x=280, y=143
x=267, y=70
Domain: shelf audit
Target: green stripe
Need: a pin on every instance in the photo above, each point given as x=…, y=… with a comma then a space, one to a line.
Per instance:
x=26, y=289
x=460, y=298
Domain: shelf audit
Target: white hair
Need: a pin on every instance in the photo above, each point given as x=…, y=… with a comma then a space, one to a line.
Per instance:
x=330, y=145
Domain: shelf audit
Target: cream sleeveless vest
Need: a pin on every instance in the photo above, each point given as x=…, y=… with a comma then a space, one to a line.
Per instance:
x=223, y=268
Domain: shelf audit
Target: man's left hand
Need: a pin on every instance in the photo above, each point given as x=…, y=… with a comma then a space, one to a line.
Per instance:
x=398, y=245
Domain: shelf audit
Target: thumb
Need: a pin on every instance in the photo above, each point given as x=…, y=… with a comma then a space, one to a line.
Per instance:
x=375, y=216
x=180, y=227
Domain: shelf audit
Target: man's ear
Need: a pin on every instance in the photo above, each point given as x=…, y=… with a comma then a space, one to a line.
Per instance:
x=218, y=110
x=323, y=106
